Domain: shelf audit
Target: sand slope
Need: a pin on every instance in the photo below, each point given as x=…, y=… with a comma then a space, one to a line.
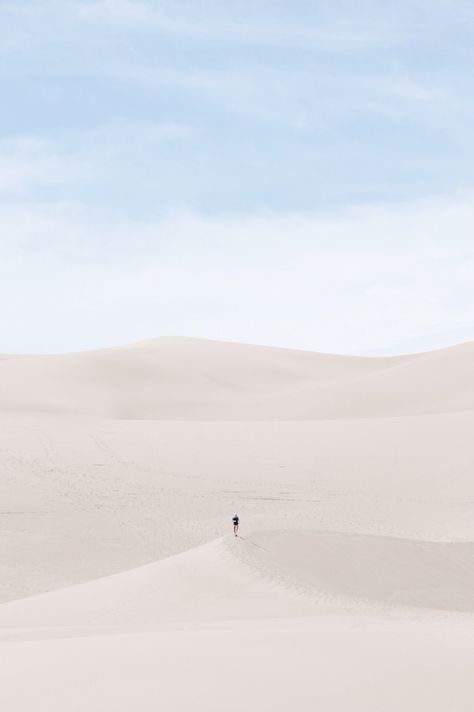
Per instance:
x=194, y=379
x=243, y=623
x=208, y=583
x=266, y=575
x=351, y=587
x=82, y=499
x=331, y=664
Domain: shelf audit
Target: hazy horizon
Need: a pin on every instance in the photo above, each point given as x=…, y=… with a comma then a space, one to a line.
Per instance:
x=184, y=337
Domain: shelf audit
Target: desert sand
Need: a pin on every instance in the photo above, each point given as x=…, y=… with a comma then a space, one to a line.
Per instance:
x=350, y=586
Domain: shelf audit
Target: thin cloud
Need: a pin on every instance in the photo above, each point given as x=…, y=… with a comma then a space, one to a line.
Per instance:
x=193, y=168
x=370, y=279
x=318, y=28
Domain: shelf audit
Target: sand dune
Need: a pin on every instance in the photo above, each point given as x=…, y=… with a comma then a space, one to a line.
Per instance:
x=265, y=575
x=82, y=498
x=246, y=623
x=333, y=664
x=351, y=587
x=207, y=583
x=85, y=496
x=194, y=379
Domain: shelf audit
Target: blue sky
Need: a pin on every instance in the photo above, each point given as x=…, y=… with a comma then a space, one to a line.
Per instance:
x=299, y=174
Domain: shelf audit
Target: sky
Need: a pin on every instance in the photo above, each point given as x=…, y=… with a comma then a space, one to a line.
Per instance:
x=296, y=174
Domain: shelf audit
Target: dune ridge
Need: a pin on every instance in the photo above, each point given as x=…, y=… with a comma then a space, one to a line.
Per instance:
x=178, y=378
x=350, y=585
x=270, y=574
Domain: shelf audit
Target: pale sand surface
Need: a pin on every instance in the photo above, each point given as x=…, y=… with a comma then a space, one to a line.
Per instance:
x=351, y=587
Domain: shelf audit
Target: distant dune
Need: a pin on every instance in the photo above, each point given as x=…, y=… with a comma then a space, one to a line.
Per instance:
x=187, y=379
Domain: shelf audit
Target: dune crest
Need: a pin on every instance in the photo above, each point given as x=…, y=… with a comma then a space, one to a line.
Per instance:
x=193, y=379
x=271, y=574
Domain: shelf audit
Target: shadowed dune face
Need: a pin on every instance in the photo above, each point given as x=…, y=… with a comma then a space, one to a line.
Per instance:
x=178, y=378
x=387, y=571
x=271, y=574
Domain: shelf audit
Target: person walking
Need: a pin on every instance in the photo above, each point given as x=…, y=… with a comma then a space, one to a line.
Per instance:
x=235, y=520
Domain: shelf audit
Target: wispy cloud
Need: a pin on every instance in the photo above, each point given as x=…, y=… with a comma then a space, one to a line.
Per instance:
x=75, y=167
x=266, y=24
x=371, y=278
x=189, y=161
x=309, y=26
